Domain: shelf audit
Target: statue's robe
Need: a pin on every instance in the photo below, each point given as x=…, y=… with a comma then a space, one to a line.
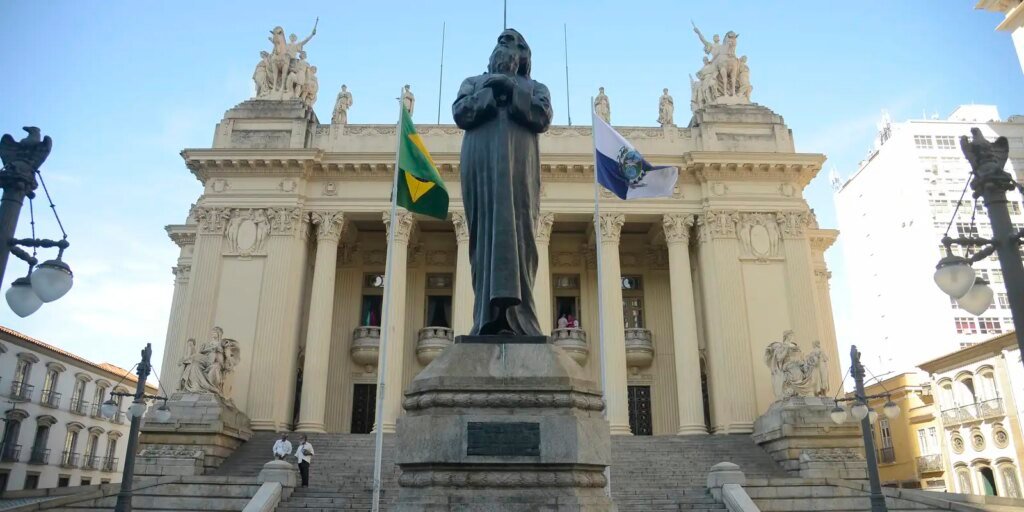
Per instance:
x=500, y=171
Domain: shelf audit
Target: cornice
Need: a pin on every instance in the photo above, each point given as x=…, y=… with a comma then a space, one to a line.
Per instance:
x=822, y=239
x=205, y=163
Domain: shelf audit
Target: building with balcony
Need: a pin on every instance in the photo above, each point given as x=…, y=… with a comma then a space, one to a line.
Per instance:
x=979, y=395
x=53, y=435
x=910, y=445
x=893, y=213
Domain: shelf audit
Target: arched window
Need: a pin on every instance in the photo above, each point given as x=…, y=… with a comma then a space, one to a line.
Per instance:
x=10, y=449
x=91, y=458
x=20, y=388
x=946, y=399
x=987, y=480
x=50, y=397
x=966, y=391
x=69, y=456
x=99, y=396
x=78, y=403
x=986, y=384
x=963, y=480
x=40, y=453
x=1011, y=484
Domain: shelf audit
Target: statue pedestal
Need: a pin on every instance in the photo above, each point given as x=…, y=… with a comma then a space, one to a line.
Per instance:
x=202, y=432
x=802, y=438
x=499, y=423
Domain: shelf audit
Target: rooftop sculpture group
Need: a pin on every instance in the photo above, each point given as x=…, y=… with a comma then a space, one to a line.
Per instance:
x=284, y=73
x=725, y=78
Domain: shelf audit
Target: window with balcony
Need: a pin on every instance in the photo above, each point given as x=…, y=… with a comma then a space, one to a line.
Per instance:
x=887, y=453
x=20, y=388
x=923, y=141
x=91, y=459
x=373, y=297
x=10, y=450
x=98, y=398
x=439, y=300
x=40, y=454
x=632, y=302
x=69, y=457
x=567, y=299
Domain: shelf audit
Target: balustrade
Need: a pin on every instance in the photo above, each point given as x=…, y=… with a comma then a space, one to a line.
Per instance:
x=365, y=347
x=929, y=464
x=639, y=348
x=574, y=341
x=431, y=341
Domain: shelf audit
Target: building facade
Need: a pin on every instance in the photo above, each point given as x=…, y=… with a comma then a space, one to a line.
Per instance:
x=910, y=448
x=979, y=392
x=894, y=211
x=1012, y=23
x=53, y=433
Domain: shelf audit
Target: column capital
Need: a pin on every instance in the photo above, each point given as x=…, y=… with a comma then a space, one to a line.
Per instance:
x=181, y=273
x=286, y=221
x=677, y=227
x=404, y=224
x=461, y=226
x=544, y=223
x=717, y=224
x=793, y=224
x=212, y=221
x=611, y=226
x=329, y=224
x=182, y=239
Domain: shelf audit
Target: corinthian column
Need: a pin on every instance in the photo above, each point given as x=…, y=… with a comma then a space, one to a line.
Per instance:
x=318, y=334
x=730, y=366
x=542, y=284
x=176, y=322
x=803, y=309
x=614, y=349
x=684, y=325
x=205, y=274
x=462, y=302
x=392, y=379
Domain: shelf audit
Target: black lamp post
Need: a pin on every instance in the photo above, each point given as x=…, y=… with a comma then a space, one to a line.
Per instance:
x=136, y=410
x=954, y=274
x=862, y=412
x=52, y=278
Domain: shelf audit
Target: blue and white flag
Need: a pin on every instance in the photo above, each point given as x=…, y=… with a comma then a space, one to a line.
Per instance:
x=622, y=169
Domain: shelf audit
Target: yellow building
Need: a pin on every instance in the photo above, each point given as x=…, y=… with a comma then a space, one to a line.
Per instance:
x=910, y=445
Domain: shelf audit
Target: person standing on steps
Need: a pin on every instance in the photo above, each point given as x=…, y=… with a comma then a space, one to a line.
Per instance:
x=282, y=447
x=304, y=454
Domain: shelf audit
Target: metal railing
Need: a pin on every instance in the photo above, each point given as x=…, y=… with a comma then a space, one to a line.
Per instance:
x=10, y=452
x=109, y=464
x=929, y=464
x=973, y=412
x=94, y=411
x=887, y=455
x=92, y=462
x=21, y=391
x=50, y=398
x=39, y=456
x=69, y=459
x=79, y=406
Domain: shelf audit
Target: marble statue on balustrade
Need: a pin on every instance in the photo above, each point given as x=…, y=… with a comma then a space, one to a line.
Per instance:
x=502, y=112
x=283, y=73
x=666, y=109
x=792, y=373
x=724, y=78
x=602, y=106
x=205, y=369
x=408, y=99
x=341, y=106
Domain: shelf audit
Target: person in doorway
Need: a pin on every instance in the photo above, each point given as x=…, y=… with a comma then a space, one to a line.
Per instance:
x=563, y=322
x=571, y=320
x=304, y=453
x=282, y=447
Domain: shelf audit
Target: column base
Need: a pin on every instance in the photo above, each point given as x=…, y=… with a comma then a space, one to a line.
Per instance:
x=265, y=425
x=310, y=427
x=691, y=430
x=620, y=430
x=389, y=428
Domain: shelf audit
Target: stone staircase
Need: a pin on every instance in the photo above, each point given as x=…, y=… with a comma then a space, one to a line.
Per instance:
x=812, y=495
x=649, y=473
x=182, y=494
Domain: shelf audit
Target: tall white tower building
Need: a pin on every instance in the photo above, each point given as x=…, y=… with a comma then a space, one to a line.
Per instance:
x=894, y=211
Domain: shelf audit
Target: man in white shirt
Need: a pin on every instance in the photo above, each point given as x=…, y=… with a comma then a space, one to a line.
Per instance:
x=305, y=454
x=282, y=447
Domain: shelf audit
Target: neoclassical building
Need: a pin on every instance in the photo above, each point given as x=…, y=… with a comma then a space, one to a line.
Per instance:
x=285, y=251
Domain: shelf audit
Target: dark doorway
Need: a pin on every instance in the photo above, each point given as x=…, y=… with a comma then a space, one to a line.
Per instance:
x=371, y=310
x=988, y=481
x=364, y=408
x=640, y=410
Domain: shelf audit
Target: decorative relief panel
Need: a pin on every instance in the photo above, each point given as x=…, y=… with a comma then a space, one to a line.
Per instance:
x=461, y=227
x=330, y=188
x=219, y=185
x=566, y=259
x=759, y=236
x=717, y=224
x=247, y=232
x=374, y=257
x=793, y=224
x=440, y=258
x=288, y=185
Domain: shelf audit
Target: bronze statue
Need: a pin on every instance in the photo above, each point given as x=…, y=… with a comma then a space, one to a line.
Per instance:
x=502, y=112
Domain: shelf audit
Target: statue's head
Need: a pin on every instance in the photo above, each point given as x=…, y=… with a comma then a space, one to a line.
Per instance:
x=264, y=55
x=293, y=38
x=731, y=35
x=665, y=90
x=278, y=31
x=511, y=55
x=312, y=69
x=217, y=333
x=407, y=87
x=284, y=436
x=707, y=61
x=600, y=90
x=787, y=336
x=743, y=59
x=816, y=344
x=344, y=87
x=716, y=38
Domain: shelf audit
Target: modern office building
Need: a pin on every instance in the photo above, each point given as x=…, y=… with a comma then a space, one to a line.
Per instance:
x=893, y=213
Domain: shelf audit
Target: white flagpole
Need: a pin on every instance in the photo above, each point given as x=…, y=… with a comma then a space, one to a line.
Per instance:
x=385, y=325
x=600, y=288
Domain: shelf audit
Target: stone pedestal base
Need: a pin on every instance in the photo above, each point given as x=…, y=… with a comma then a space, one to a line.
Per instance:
x=202, y=432
x=496, y=425
x=799, y=434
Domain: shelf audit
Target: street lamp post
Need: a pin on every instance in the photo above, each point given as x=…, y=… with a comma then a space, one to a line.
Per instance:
x=136, y=410
x=862, y=412
x=53, y=278
x=954, y=274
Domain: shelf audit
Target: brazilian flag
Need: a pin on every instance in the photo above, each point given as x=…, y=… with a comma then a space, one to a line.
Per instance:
x=420, y=189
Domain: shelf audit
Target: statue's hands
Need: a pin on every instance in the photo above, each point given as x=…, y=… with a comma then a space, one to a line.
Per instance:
x=499, y=83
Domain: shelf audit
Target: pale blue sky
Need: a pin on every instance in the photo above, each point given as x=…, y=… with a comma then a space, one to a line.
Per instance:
x=122, y=87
